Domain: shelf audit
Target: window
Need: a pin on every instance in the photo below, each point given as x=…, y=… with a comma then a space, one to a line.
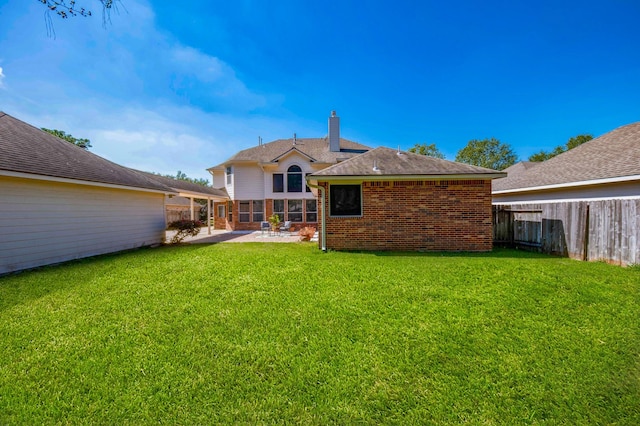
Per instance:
x=278, y=182
x=305, y=183
x=244, y=211
x=221, y=212
x=258, y=210
x=294, y=210
x=229, y=175
x=230, y=210
x=294, y=179
x=278, y=208
x=345, y=200
x=311, y=210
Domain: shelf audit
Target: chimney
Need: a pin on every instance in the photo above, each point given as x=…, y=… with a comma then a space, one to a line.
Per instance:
x=334, y=132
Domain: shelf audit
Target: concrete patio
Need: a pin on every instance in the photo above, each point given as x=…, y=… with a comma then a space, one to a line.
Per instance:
x=219, y=236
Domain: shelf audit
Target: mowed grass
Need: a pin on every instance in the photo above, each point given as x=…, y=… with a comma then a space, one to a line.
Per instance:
x=282, y=333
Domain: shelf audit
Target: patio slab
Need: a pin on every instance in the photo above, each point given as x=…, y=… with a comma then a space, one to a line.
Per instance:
x=219, y=236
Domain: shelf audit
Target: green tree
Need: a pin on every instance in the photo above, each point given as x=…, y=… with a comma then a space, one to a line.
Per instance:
x=183, y=176
x=571, y=143
x=82, y=143
x=489, y=153
x=429, y=150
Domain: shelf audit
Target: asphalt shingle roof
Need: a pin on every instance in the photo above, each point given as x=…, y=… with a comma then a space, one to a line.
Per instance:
x=27, y=149
x=390, y=162
x=612, y=155
x=315, y=148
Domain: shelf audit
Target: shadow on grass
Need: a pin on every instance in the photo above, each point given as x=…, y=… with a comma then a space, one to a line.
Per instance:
x=28, y=285
x=504, y=253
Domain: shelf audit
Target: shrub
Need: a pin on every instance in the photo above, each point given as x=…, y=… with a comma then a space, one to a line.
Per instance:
x=185, y=228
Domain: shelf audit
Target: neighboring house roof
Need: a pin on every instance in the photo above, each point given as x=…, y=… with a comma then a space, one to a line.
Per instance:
x=519, y=168
x=185, y=187
x=25, y=149
x=316, y=149
x=393, y=164
x=614, y=156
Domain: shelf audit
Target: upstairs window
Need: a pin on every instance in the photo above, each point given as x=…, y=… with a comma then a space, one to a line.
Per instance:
x=278, y=182
x=294, y=179
x=229, y=175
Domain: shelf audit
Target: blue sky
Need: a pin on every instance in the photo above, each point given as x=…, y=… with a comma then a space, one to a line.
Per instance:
x=184, y=85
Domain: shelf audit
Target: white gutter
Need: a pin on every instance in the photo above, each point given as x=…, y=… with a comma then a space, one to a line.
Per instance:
x=368, y=178
x=570, y=184
x=323, y=220
x=82, y=182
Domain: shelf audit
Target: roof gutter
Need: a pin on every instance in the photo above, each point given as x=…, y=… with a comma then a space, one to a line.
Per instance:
x=367, y=178
x=569, y=184
x=323, y=219
x=22, y=175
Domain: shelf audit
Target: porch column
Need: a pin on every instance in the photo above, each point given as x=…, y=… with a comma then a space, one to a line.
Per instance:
x=191, y=204
x=209, y=214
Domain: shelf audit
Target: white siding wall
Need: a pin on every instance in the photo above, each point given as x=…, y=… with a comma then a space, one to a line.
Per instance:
x=248, y=183
x=293, y=159
x=48, y=222
x=218, y=179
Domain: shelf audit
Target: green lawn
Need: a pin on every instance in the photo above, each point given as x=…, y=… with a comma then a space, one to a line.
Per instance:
x=282, y=333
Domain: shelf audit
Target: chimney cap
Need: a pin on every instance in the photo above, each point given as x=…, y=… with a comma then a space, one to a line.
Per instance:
x=333, y=113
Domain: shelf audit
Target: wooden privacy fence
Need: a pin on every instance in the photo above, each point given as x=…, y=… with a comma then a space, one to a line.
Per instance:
x=607, y=230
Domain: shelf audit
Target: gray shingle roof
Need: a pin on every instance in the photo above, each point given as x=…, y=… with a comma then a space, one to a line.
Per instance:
x=389, y=163
x=27, y=149
x=612, y=155
x=317, y=149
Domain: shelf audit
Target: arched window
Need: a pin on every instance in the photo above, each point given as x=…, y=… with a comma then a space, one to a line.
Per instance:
x=294, y=179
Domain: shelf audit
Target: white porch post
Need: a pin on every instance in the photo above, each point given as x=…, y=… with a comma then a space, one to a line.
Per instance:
x=209, y=214
x=191, y=204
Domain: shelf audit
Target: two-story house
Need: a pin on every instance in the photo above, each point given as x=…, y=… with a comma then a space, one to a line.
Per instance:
x=270, y=179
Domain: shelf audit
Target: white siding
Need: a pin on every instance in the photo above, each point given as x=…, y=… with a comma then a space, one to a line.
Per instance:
x=604, y=191
x=218, y=179
x=248, y=183
x=292, y=159
x=48, y=222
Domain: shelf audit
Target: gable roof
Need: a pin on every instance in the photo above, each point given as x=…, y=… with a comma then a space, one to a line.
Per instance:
x=25, y=149
x=389, y=163
x=316, y=149
x=614, y=155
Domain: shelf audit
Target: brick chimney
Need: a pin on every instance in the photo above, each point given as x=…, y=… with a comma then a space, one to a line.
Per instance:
x=334, y=132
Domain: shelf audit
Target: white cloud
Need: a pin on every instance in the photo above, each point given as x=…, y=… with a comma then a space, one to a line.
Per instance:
x=143, y=98
x=2, y=76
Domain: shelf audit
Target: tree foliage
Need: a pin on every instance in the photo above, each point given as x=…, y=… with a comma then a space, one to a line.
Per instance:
x=489, y=153
x=67, y=9
x=183, y=176
x=571, y=143
x=82, y=143
x=429, y=150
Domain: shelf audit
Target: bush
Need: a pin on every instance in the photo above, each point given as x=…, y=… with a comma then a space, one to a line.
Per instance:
x=185, y=228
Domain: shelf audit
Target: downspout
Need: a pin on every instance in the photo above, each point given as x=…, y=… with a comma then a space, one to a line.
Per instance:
x=322, y=215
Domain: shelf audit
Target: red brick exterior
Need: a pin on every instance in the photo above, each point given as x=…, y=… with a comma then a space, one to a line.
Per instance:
x=236, y=225
x=445, y=215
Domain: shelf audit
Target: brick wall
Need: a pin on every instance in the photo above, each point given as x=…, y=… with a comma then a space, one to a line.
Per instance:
x=446, y=215
x=236, y=225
